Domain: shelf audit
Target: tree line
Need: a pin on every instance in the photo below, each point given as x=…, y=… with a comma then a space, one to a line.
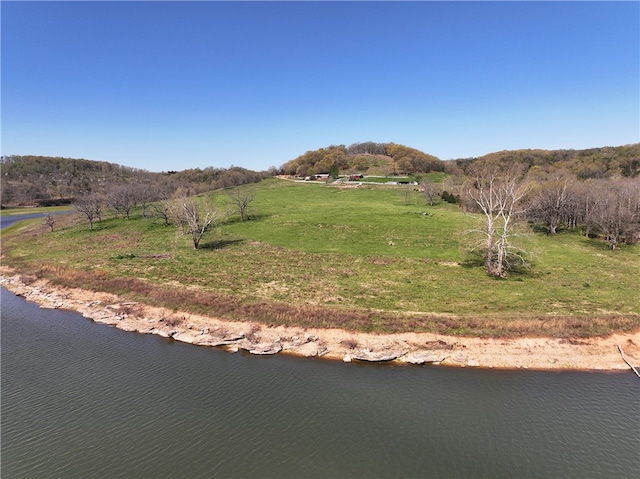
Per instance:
x=48, y=181
x=510, y=193
x=192, y=215
x=604, y=162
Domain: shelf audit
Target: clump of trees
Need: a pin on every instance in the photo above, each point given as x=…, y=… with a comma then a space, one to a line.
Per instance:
x=550, y=199
x=593, y=163
x=609, y=208
x=49, y=181
x=372, y=158
x=449, y=197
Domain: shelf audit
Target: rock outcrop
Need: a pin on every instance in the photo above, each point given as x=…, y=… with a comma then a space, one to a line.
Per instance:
x=378, y=356
x=259, y=339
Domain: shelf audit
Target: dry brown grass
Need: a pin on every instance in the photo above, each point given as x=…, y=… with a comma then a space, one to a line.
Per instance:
x=350, y=343
x=268, y=312
x=172, y=321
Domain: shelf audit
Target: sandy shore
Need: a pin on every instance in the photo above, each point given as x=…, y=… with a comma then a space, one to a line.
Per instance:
x=404, y=348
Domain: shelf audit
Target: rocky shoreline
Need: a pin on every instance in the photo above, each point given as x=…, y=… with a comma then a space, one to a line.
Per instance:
x=347, y=346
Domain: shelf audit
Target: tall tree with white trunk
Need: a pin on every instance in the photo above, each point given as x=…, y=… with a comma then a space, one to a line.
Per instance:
x=497, y=191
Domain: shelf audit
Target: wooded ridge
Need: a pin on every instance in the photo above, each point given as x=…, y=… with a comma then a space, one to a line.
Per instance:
x=42, y=180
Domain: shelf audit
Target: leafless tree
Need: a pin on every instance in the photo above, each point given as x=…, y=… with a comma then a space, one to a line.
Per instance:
x=7, y=192
x=617, y=214
x=196, y=217
x=429, y=190
x=497, y=190
x=144, y=195
x=90, y=208
x=241, y=199
x=122, y=198
x=551, y=202
x=406, y=194
x=163, y=209
x=50, y=221
x=588, y=194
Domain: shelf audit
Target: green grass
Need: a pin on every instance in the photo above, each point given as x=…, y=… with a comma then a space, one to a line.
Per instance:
x=25, y=211
x=354, y=258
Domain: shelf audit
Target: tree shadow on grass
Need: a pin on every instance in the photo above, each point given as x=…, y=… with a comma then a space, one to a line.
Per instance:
x=249, y=219
x=515, y=272
x=220, y=244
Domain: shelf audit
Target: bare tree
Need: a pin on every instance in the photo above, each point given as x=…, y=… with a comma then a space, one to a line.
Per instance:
x=406, y=194
x=552, y=201
x=144, y=195
x=617, y=214
x=50, y=221
x=122, y=199
x=429, y=190
x=163, y=209
x=497, y=190
x=90, y=208
x=7, y=192
x=588, y=195
x=241, y=198
x=196, y=217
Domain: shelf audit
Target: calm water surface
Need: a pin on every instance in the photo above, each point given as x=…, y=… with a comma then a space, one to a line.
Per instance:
x=83, y=400
x=8, y=220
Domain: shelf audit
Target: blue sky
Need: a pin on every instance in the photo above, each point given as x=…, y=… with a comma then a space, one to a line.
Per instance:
x=175, y=85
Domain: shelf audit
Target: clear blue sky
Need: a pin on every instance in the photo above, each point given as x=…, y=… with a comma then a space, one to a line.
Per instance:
x=174, y=85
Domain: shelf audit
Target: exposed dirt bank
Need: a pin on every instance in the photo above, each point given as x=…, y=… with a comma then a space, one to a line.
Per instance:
x=414, y=348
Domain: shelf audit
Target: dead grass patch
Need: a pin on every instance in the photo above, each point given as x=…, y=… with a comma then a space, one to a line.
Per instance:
x=268, y=312
x=350, y=343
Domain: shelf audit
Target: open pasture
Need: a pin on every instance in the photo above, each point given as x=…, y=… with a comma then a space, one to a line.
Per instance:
x=356, y=258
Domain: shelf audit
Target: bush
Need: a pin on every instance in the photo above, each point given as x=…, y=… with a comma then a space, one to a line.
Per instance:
x=449, y=198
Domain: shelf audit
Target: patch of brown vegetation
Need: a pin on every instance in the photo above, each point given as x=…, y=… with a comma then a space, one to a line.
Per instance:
x=197, y=300
x=333, y=343
x=350, y=343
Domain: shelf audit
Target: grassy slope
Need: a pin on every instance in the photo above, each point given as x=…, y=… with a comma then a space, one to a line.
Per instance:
x=348, y=257
x=30, y=210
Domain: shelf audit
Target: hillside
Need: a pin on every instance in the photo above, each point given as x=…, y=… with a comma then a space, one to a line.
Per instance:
x=359, y=259
x=393, y=159
x=45, y=181
x=366, y=158
x=42, y=180
x=594, y=163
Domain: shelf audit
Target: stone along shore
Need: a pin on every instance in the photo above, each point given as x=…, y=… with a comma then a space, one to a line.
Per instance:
x=402, y=348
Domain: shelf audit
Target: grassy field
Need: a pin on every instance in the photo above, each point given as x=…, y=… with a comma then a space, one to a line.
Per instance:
x=352, y=258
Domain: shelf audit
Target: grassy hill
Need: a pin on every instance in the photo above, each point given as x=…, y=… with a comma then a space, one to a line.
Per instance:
x=352, y=258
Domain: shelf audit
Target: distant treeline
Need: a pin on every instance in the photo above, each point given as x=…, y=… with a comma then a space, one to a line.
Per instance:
x=46, y=181
x=387, y=159
x=596, y=163
x=596, y=191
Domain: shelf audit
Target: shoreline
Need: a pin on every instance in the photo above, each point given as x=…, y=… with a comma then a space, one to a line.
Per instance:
x=537, y=353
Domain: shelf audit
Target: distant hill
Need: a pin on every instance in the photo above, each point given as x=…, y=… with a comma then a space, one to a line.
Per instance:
x=391, y=158
x=367, y=158
x=601, y=162
x=43, y=180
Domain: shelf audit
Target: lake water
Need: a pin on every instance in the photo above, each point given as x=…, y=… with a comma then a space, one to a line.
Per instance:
x=8, y=220
x=83, y=400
